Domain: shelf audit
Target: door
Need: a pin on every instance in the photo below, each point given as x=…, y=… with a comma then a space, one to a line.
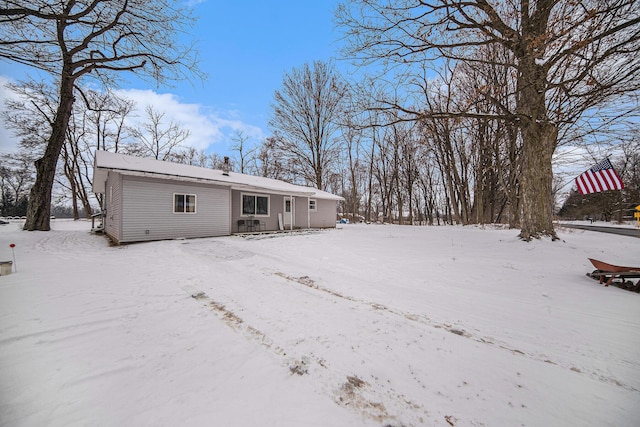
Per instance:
x=289, y=209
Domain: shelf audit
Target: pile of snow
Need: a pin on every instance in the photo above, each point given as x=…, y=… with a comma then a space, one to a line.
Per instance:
x=366, y=325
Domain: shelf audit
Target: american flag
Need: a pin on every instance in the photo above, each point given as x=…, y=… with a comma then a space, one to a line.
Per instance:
x=601, y=177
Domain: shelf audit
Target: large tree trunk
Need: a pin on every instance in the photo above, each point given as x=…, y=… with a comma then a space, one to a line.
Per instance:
x=537, y=179
x=39, y=208
x=539, y=134
x=539, y=138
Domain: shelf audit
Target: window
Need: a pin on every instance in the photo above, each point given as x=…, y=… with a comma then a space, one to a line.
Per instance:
x=184, y=203
x=255, y=205
x=313, y=206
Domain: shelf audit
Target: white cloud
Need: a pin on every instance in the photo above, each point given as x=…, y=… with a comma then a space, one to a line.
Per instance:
x=211, y=130
x=8, y=141
x=189, y=116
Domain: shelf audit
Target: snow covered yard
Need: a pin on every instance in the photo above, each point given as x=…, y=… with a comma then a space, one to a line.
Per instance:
x=364, y=325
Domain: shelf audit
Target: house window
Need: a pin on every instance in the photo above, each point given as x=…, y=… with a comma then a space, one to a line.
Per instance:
x=254, y=205
x=184, y=203
x=313, y=205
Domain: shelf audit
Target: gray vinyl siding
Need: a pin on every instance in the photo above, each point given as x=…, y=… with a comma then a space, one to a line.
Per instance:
x=113, y=203
x=147, y=206
x=269, y=223
x=300, y=213
x=325, y=215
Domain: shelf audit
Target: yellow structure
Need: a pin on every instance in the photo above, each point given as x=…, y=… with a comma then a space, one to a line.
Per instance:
x=636, y=214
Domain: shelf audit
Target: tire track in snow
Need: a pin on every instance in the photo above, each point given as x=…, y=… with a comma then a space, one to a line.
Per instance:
x=349, y=394
x=308, y=282
x=425, y=320
x=66, y=244
x=70, y=330
x=99, y=375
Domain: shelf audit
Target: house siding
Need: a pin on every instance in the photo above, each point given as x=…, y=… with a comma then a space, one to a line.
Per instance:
x=113, y=203
x=301, y=207
x=269, y=223
x=147, y=204
x=325, y=214
x=324, y=217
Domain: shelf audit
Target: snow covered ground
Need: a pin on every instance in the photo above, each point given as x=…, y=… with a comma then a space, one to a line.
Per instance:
x=365, y=325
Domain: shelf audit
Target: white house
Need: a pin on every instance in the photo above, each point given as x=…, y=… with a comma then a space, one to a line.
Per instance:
x=147, y=199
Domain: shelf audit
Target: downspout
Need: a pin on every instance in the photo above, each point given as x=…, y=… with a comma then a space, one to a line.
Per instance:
x=308, y=213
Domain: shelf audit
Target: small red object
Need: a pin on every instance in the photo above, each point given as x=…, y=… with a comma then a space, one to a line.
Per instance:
x=13, y=245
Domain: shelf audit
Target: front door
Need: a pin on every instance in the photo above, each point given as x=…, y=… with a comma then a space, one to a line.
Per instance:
x=289, y=209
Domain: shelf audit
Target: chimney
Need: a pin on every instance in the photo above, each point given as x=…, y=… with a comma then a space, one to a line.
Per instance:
x=225, y=166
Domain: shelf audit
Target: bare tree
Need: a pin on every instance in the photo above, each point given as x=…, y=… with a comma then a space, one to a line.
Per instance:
x=30, y=113
x=305, y=116
x=568, y=57
x=95, y=123
x=244, y=152
x=495, y=143
x=194, y=157
x=269, y=162
x=364, y=121
x=428, y=185
x=351, y=136
x=446, y=135
x=75, y=167
x=107, y=114
x=16, y=176
x=156, y=138
x=217, y=161
x=75, y=39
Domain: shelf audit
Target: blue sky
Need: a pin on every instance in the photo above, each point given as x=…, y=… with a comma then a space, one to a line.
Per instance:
x=245, y=48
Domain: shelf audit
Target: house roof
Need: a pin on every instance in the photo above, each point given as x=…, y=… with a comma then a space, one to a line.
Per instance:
x=131, y=165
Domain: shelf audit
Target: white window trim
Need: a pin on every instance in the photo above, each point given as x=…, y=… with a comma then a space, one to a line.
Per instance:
x=195, y=203
x=315, y=205
x=243, y=215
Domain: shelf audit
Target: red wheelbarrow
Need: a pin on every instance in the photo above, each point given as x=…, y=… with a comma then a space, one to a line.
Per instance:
x=617, y=275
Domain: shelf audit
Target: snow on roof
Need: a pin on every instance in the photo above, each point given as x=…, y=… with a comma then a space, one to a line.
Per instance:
x=106, y=161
